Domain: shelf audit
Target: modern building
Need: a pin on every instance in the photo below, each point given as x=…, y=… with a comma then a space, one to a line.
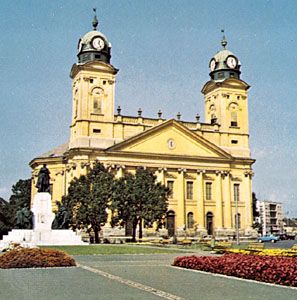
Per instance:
x=271, y=217
x=207, y=165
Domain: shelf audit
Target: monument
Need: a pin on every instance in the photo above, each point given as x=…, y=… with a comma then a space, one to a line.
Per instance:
x=43, y=216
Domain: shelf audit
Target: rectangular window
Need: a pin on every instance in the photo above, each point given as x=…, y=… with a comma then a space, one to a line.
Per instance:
x=170, y=187
x=236, y=192
x=208, y=191
x=97, y=105
x=189, y=189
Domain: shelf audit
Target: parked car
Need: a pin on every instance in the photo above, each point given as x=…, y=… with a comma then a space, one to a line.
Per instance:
x=268, y=238
x=287, y=236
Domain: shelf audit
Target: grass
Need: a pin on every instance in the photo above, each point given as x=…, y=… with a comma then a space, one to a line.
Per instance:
x=113, y=249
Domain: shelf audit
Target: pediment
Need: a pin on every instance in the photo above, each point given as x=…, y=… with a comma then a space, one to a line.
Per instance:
x=173, y=139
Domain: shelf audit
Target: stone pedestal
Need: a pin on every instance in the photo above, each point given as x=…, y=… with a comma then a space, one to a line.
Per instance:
x=42, y=211
x=42, y=233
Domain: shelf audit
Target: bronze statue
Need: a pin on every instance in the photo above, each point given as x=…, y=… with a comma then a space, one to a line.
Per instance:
x=24, y=218
x=43, y=182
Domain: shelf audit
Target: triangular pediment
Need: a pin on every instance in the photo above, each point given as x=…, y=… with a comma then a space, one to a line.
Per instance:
x=171, y=138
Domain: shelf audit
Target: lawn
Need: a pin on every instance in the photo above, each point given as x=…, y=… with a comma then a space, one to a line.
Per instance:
x=114, y=249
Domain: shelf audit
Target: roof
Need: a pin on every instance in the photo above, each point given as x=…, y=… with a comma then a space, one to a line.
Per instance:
x=56, y=152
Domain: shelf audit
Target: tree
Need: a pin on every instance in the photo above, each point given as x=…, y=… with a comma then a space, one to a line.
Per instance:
x=21, y=197
x=6, y=217
x=255, y=211
x=88, y=198
x=139, y=199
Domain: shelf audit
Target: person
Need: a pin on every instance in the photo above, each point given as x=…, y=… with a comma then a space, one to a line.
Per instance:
x=43, y=182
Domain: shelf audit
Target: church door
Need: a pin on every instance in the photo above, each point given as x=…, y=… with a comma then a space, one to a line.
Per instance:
x=170, y=220
x=209, y=223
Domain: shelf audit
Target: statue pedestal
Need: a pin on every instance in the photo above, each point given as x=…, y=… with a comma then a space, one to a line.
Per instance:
x=42, y=233
x=42, y=211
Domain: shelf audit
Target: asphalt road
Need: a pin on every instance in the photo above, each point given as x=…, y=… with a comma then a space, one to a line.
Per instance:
x=109, y=277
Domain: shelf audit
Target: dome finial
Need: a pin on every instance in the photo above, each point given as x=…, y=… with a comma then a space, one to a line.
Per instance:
x=224, y=41
x=95, y=20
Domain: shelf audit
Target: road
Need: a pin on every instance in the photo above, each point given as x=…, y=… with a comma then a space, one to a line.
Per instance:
x=107, y=277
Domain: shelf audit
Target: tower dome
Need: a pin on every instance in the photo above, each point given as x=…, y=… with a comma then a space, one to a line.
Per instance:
x=94, y=45
x=224, y=64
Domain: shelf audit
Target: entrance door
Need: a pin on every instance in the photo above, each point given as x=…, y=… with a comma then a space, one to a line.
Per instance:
x=209, y=223
x=170, y=220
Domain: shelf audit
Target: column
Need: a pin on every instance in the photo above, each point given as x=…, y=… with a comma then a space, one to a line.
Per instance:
x=161, y=175
x=181, y=206
x=219, y=204
x=227, y=200
x=200, y=204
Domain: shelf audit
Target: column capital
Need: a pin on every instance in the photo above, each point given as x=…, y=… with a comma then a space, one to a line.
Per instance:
x=199, y=171
x=181, y=170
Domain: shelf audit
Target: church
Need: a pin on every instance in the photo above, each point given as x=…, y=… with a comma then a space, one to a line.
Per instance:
x=207, y=165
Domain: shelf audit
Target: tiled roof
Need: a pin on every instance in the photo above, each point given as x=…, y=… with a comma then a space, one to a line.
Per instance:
x=56, y=152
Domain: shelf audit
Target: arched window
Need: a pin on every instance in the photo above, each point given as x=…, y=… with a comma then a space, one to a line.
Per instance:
x=190, y=220
x=234, y=119
x=97, y=97
x=233, y=108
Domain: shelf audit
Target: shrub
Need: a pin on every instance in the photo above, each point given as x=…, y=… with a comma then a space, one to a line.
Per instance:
x=35, y=258
x=272, y=269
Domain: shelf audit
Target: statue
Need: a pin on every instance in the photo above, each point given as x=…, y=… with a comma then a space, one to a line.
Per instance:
x=24, y=218
x=62, y=219
x=43, y=182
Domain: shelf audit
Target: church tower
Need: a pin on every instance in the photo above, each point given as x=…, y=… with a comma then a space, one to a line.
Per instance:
x=93, y=88
x=226, y=101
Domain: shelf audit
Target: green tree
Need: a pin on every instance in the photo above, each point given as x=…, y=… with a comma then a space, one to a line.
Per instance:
x=88, y=198
x=21, y=196
x=138, y=199
x=6, y=217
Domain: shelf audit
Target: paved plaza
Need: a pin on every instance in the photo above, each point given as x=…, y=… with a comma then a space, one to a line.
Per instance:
x=130, y=277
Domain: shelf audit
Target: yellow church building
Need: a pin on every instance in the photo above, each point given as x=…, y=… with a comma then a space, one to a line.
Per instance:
x=207, y=166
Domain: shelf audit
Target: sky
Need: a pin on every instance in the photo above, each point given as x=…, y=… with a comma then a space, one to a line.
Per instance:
x=162, y=48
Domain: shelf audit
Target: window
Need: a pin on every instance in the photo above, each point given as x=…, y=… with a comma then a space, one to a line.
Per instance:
x=190, y=220
x=91, y=80
x=234, y=119
x=97, y=100
x=237, y=225
x=170, y=187
x=189, y=189
x=208, y=190
x=96, y=130
x=236, y=192
x=234, y=141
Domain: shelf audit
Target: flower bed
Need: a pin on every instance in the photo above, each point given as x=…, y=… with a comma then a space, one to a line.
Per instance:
x=35, y=258
x=272, y=269
x=265, y=252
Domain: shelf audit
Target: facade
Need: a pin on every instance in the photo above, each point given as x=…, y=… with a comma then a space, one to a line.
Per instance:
x=207, y=166
x=271, y=217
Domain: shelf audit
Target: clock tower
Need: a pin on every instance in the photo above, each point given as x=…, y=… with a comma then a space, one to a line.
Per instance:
x=226, y=101
x=93, y=88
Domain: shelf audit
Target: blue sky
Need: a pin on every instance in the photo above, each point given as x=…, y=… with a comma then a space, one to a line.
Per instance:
x=162, y=49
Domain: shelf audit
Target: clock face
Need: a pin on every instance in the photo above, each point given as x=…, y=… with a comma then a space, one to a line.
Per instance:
x=171, y=144
x=98, y=43
x=212, y=64
x=231, y=62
